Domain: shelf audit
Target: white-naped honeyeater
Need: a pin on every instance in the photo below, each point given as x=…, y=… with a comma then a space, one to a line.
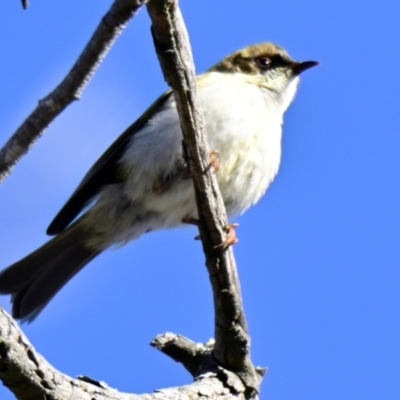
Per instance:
x=141, y=183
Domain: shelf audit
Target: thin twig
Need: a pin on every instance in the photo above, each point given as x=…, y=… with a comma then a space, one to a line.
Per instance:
x=70, y=89
x=232, y=342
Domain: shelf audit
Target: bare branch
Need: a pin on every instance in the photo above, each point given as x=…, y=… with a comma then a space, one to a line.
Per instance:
x=29, y=376
x=232, y=342
x=70, y=89
x=195, y=357
x=24, y=371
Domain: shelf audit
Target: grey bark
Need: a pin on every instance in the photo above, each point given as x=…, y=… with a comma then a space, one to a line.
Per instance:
x=232, y=341
x=222, y=369
x=29, y=376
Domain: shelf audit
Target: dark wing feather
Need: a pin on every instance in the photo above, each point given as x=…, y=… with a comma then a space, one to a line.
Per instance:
x=102, y=173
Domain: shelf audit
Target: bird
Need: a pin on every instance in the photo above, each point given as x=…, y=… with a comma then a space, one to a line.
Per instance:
x=142, y=183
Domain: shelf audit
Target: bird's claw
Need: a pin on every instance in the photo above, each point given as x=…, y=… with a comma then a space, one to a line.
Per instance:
x=229, y=229
x=162, y=185
x=214, y=162
x=190, y=220
x=230, y=239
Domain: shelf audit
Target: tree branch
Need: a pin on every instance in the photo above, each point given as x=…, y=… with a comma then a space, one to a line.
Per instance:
x=29, y=376
x=70, y=89
x=232, y=342
x=223, y=369
x=195, y=357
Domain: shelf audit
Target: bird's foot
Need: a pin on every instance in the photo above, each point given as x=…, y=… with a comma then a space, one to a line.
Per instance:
x=190, y=220
x=214, y=162
x=186, y=173
x=163, y=184
x=230, y=239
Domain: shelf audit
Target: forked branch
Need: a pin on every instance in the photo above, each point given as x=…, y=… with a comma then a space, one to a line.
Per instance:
x=220, y=369
x=232, y=341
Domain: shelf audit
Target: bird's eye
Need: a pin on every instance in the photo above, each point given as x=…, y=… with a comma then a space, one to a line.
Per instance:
x=264, y=62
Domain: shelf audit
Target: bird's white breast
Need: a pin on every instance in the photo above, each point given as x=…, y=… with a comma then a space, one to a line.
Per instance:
x=243, y=123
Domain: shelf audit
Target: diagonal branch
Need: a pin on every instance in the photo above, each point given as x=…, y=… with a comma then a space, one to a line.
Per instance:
x=70, y=89
x=232, y=341
x=24, y=371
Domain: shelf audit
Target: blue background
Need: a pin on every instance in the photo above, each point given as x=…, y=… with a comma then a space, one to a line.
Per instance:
x=318, y=257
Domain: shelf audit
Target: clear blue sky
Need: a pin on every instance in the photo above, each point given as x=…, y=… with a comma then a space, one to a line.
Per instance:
x=318, y=257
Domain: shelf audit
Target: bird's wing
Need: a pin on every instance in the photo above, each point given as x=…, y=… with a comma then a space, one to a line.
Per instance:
x=103, y=172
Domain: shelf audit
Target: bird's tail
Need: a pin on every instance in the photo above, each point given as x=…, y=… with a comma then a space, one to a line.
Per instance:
x=34, y=280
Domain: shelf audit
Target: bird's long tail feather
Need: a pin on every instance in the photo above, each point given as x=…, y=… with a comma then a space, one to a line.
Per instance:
x=34, y=280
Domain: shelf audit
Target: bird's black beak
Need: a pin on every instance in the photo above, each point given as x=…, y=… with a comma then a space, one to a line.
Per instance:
x=299, y=67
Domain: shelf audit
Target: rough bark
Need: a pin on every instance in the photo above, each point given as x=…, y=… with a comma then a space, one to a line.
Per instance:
x=29, y=376
x=222, y=369
x=232, y=341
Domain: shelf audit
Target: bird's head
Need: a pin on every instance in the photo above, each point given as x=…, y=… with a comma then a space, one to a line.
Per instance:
x=268, y=66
